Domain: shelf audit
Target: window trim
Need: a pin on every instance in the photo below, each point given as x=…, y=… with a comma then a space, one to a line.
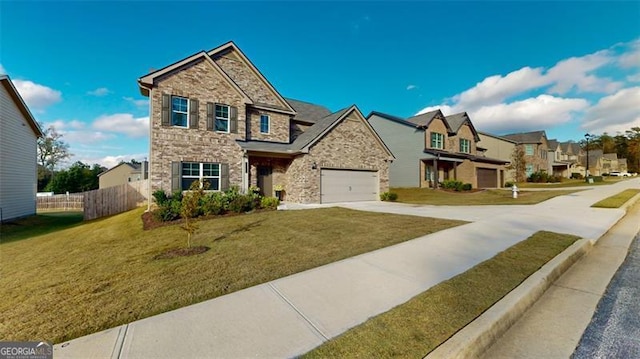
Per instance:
x=439, y=136
x=173, y=111
x=268, y=124
x=201, y=177
x=528, y=146
x=468, y=145
x=216, y=118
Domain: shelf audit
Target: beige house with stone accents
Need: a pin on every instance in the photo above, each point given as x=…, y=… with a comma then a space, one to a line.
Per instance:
x=431, y=148
x=215, y=117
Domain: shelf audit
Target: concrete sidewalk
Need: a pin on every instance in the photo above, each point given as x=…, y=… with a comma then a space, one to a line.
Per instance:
x=553, y=326
x=292, y=315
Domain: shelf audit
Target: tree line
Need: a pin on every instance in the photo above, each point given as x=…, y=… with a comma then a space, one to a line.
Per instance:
x=625, y=145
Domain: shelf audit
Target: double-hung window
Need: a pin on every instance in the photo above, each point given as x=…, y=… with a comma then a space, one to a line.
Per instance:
x=264, y=123
x=528, y=150
x=179, y=111
x=437, y=140
x=465, y=146
x=203, y=172
x=222, y=118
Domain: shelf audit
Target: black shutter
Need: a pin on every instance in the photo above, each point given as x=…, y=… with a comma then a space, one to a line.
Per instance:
x=193, y=113
x=166, y=110
x=176, y=183
x=233, y=119
x=224, y=176
x=211, y=111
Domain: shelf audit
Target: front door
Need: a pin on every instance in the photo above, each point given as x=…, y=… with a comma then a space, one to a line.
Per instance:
x=265, y=182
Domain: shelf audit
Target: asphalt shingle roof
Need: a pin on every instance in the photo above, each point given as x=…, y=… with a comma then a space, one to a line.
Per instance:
x=456, y=120
x=308, y=112
x=526, y=137
x=425, y=118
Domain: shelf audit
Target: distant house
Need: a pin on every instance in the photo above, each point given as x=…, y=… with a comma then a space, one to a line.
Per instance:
x=558, y=166
x=430, y=148
x=19, y=132
x=535, y=147
x=494, y=146
x=123, y=173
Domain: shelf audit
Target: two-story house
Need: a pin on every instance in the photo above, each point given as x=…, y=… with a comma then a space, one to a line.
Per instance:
x=430, y=148
x=535, y=148
x=122, y=173
x=214, y=117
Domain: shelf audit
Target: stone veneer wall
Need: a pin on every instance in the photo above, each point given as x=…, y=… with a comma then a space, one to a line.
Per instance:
x=278, y=126
x=350, y=145
x=248, y=81
x=202, y=82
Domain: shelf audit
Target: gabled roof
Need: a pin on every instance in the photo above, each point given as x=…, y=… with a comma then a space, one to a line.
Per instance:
x=146, y=82
x=312, y=135
x=307, y=112
x=496, y=136
x=135, y=167
x=392, y=118
x=424, y=119
x=611, y=156
x=553, y=144
x=457, y=120
x=231, y=46
x=527, y=137
x=22, y=106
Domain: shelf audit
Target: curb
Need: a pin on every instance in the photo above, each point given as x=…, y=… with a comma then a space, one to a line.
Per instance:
x=476, y=338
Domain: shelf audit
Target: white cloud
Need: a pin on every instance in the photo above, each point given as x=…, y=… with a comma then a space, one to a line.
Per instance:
x=614, y=113
x=537, y=113
x=101, y=91
x=2, y=70
x=411, y=87
x=632, y=57
x=574, y=73
x=37, y=97
x=123, y=123
x=86, y=137
x=445, y=109
x=138, y=103
x=633, y=78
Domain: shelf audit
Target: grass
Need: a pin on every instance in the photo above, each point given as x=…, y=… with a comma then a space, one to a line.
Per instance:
x=39, y=224
x=486, y=197
x=572, y=183
x=617, y=200
x=101, y=274
x=413, y=329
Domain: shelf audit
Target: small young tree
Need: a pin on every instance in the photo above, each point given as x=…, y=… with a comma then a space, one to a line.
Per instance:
x=518, y=164
x=191, y=208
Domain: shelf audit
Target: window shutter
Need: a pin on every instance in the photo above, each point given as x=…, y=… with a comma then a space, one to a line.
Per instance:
x=193, y=113
x=166, y=110
x=211, y=109
x=233, y=119
x=224, y=176
x=176, y=183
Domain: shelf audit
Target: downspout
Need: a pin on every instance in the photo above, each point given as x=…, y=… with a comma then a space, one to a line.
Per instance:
x=149, y=163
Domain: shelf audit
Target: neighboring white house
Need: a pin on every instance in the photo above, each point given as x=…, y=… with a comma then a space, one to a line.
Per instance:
x=19, y=132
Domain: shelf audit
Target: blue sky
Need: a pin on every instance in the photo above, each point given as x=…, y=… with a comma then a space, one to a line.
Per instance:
x=564, y=67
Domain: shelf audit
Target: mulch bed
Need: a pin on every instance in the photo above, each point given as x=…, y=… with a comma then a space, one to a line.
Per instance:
x=182, y=252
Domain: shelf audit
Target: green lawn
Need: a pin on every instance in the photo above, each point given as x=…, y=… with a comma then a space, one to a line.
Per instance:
x=573, y=183
x=41, y=223
x=101, y=274
x=616, y=201
x=486, y=197
x=413, y=329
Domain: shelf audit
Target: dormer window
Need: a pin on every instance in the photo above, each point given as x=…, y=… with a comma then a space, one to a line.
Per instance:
x=465, y=146
x=437, y=140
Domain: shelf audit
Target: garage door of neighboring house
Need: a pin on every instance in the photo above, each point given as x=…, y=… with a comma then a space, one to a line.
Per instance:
x=487, y=178
x=348, y=186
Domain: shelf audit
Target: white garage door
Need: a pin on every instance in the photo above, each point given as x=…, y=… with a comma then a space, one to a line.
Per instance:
x=348, y=186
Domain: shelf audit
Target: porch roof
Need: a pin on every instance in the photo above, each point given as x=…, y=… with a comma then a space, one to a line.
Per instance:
x=459, y=157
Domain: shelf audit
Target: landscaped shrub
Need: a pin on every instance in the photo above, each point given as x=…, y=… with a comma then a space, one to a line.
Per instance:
x=214, y=203
x=467, y=187
x=389, y=196
x=269, y=202
x=241, y=203
x=576, y=175
x=160, y=197
x=452, y=184
x=539, y=177
x=508, y=184
x=169, y=211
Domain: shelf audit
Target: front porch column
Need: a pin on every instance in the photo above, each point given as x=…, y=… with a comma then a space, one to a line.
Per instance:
x=245, y=173
x=436, y=173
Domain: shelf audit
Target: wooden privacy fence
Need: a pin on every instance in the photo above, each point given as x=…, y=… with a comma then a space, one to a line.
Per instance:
x=112, y=200
x=66, y=202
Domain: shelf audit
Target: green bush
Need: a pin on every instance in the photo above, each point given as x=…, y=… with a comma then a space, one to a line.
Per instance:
x=508, y=184
x=269, y=202
x=452, y=184
x=160, y=197
x=169, y=211
x=576, y=175
x=467, y=187
x=241, y=203
x=389, y=196
x=214, y=203
x=539, y=177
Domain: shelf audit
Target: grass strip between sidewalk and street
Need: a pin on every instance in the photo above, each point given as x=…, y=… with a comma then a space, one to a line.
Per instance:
x=415, y=328
x=486, y=197
x=616, y=201
x=102, y=273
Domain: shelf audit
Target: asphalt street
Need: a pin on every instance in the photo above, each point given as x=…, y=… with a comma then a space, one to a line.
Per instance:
x=614, y=330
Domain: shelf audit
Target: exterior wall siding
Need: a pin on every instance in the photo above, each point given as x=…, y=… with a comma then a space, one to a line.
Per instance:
x=18, y=176
x=406, y=143
x=116, y=176
x=202, y=82
x=349, y=146
x=499, y=149
x=278, y=126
